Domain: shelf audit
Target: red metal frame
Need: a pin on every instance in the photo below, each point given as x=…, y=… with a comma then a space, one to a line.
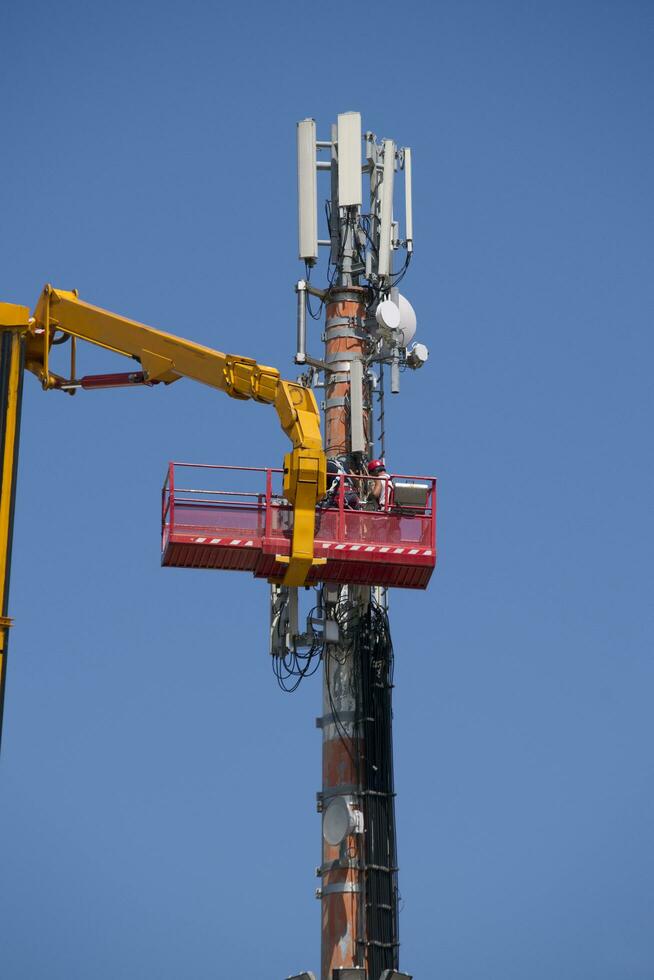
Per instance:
x=246, y=530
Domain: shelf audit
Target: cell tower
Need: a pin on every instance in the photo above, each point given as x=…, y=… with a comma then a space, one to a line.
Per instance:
x=368, y=333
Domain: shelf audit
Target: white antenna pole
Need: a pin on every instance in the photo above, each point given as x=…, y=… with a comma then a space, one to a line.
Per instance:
x=408, y=200
x=386, y=216
x=349, y=160
x=307, y=188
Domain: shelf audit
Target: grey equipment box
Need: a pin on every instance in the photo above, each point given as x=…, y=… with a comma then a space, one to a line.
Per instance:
x=413, y=495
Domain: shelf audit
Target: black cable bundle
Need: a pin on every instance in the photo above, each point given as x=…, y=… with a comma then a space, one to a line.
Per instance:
x=374, y=660
x=291, y=669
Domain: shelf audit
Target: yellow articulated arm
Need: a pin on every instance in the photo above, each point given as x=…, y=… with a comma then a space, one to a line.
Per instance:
x=14, y=322
x=166, y=358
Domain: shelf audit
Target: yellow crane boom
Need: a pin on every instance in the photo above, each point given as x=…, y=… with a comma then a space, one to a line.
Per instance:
x=60, y=315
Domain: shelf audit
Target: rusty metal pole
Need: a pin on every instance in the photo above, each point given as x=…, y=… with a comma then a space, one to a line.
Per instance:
x=342, y=897
x=358, y=870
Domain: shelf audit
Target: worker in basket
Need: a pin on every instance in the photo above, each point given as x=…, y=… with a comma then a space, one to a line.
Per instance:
x=380, y=496
x=336, y=473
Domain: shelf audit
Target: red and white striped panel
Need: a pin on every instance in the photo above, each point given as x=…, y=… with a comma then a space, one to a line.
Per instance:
x=373, y=549
x=225, y=542
x=333, y=548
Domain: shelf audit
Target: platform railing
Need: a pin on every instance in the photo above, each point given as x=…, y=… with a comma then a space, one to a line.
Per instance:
x=266, y=501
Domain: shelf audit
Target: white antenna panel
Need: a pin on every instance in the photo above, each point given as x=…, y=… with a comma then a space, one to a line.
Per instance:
x=357, y=432
x=408, y=200
x=349, y=159
x=386, y=210
x=307, y=190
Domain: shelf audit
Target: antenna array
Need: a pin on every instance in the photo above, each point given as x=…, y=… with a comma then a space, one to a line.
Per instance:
x=375, y=232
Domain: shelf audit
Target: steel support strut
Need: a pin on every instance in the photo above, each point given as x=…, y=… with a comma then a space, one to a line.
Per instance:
x=12, y=360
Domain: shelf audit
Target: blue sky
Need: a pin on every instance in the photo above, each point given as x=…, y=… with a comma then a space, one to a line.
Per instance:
x=158, y=811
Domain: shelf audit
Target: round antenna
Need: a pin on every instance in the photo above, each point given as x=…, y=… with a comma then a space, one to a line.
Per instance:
x=387, y=315
x=408, y=322
x=337, y=821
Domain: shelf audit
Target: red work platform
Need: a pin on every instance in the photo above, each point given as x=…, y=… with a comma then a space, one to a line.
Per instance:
x=206, y=525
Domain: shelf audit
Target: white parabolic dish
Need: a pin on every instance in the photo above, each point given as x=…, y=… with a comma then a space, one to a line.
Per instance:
x=408, y=320
x=337, y=821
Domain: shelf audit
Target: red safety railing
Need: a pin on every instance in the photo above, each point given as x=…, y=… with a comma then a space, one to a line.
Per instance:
x=242, y=510
x=208, y=508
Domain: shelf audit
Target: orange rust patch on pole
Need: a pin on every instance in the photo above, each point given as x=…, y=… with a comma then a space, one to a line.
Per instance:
x=336, y=422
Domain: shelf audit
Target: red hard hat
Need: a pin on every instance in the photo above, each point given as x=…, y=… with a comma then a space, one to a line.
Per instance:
x=376, y=464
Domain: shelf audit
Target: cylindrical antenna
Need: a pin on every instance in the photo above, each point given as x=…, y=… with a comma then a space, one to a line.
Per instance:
x=386, y=216
x=408, y=199
x=301, y=352
x=395, y=373
x=307, y=191
x=358, y=441
x=349, y=159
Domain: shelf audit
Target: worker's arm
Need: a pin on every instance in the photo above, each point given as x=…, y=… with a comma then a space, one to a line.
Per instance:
x=166, y=358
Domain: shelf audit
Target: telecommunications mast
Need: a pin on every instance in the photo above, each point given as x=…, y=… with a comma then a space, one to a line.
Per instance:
x=368, y=333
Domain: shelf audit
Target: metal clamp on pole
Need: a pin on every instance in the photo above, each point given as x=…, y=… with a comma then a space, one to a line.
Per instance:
x=339, y=888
